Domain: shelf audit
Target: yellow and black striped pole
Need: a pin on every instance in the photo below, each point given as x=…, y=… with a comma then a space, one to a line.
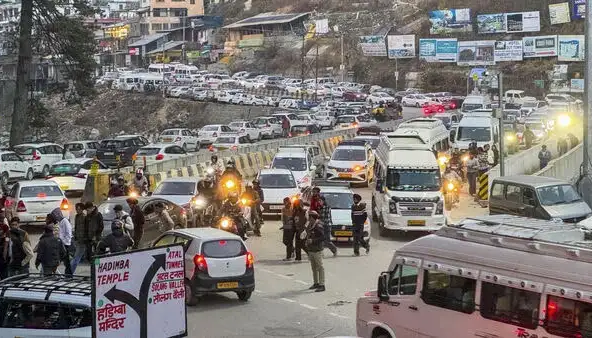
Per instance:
x=483, y=189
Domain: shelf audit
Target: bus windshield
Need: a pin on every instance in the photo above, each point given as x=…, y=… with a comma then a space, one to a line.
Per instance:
x=413, y=179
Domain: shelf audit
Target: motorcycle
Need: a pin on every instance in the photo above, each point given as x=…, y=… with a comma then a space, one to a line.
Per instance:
x=135, y=192
x=249, y=215
x=204, y=211
x=451, y=194
x=229, y=224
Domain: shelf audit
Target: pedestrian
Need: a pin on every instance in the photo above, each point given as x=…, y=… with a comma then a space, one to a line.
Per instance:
x=288, y=228
x=496, y=155
x=138, y=219
x=64, y=232
x=528, y=137
x=258, y=206
x=20, y=250
x=94, y=220
x=544, y=156
x=573, y=140
x=359, y=216
x=325, y=215
x=3, y=220
x=50, y=252
x=314, y=245
x=562, y=146
x=4, y=257
x=314, y=199
x=125, y=218
x=472, y=171
x=116, y=241
x=165, y=223
x=81, y=238
x=285, y=126
x=299, y=217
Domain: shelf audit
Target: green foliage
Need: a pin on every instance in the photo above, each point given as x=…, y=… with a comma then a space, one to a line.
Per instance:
x=38, y=114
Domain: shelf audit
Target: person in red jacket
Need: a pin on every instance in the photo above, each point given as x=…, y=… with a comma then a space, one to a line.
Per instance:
x=315, y=204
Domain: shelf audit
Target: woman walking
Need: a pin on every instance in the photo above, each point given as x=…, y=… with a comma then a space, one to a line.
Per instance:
x=288, y=228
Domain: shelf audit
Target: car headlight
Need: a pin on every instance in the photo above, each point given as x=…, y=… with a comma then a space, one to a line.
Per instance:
x=564, y=120
x=392, y=207
x=510, y=138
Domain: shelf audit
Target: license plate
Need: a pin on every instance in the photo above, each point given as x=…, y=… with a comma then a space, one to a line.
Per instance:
x=343, y=233
x=416, y=223
x=109, y=154
x=345, y=175
x=276, y=207
x=64, y=187
x=40, y=218
x=167, y=139
x=227, y=285
x=342, y=239
x=345, y=125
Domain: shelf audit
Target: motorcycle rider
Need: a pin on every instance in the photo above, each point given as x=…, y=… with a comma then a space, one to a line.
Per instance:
x=217, y=166
x=231, y=170
x=451, y=176
x=140, y=182
x=259, y=190
x=231, y=208
x=253, y=199
x=118, y=187
x=230, y=174
x=207, y=189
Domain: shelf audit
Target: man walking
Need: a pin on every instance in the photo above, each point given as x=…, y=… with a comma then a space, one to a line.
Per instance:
x=359, y=217
x=95, y=224
x=82, y=239
x=314, y=245
x=138, y=219
x=64, y=232
x=50, y=252
x=544, y=157
x=288, y=228
x=20, y=250
x=325, y=215
x=472, y=171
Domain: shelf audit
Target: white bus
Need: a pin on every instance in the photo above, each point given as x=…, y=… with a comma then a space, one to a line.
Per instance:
x=489, y=276
x=159, y=68
x=129, y=81
x=429, y=131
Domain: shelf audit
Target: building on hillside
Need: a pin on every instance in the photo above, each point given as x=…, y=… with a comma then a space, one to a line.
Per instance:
x=252, y=32
x=9, y=16
x=167, y=14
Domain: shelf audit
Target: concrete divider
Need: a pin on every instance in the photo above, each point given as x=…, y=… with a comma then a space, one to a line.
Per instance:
x=566, y=167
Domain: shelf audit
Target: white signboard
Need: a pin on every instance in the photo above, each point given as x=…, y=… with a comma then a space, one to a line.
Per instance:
x=523, y=22
x=322, y=26
x=539, y=46
x=475, y=53
x=508, y=50
x=401, y=46
x=140, y=294
x=571, y=48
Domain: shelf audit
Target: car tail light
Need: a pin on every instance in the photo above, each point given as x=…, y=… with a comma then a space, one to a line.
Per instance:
x=289, y=134
x=36, y=155
x=250, y=260
x=159, y=157
x=200, y=263
x=215, y=135
x=21, y=207
x=80, y=175
x=452, y=106
x=65, y=205
x=177, y=139
x=426, y=111
x=48, y=177
x=307, y=132
x=234, y=147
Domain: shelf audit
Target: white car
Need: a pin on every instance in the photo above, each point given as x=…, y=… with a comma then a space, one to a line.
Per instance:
x=337, y=91
x=71, y=175
x=179, y=190
x=277, y=184
x=258, y=100
x=241, y=98
x=351, y=161
x=310, y=119
x=181, y=137
x=291, y=117
x=415, y=100
x=270, y=126
x=14, y=167
x=177, y=92
x=295, y=89
x=208, y=134
x=246, y=128
x=40, y=155
x=31, y=201
x=325, y=119
x=226, y=96
x=299, y=162
x=240, y=75
x=348, y=121
x=288, y=103
x=380, y=97
x=200, y=94
x=82, y=148
x=157, y=152
x=252, y=84
x=230, y=141
x=227, y=80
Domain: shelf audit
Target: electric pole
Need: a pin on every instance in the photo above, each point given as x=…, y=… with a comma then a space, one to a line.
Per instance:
x=585, y=183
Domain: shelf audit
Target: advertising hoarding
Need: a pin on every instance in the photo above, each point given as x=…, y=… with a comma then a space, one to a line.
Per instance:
x=539, y=46
x=571, y=48
x=448, y=21
x=508, y=50
x=401, y=46
x=559, y=13
x=373, y=45
x=476, y=53
x=438, y=50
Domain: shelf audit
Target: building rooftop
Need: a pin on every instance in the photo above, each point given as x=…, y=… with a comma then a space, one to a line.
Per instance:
x=266, y=19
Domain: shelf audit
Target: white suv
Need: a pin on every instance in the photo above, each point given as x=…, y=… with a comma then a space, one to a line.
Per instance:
x=40, y=155
x=32, y=305
x=215, y=261
x=13, y=167
x=184, y=138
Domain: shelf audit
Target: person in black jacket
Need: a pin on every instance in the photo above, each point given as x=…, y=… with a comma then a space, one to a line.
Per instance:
x=315, y=238
x=4, y=257
x=95, y=225
x=116, y=241
x=359, y=217
x=50, y=252
x=259, y=190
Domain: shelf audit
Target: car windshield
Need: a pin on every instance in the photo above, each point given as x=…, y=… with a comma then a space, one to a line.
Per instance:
x=291, y=163
x=277, y=181
x=41, y=191
x=210, y=128
x=148, y=151
x=24, y=150
x=338, y=200
x=346, y=119
x=64, y=169
x=444, y=119
x=236, y=125
x=175, y=188
x=73, y=146
x=170, y=132
x=106, y=209
x=529, y=104
x=477, y=134
x=413, y=180
x=471, y=106
x=346, y=154
x=226, y=140
x=111, y=144
x=558, y=194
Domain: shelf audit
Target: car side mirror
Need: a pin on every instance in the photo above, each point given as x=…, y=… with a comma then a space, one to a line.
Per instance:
x=381, y=290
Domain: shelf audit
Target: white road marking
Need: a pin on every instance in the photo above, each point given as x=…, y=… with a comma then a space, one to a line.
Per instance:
x=257, y=291
x=300, y=281
x=337, y=315
x=265, y=270
x=288, y=300
x=310, y=307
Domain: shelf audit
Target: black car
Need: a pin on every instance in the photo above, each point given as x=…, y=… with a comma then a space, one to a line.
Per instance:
x=120, y=150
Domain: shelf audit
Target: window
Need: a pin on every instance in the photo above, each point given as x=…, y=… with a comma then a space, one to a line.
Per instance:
x=528, y=197
x=225, y=248
x=31, y=315
x=568, y=318
x=497, y=191
x=159, y=12
x=558, y=194
x=74, y=146
x=41, y=191
x=79, y=316
x=513, y=193
x=449, y=292
x=508, y=305
x=165, y=240
x=174, y=150
x=156, y=26
x=192, y=2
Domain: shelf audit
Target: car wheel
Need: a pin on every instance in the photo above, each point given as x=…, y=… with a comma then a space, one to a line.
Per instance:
x=373, y=206
x=244, y=295
x=29, y=174
x=417, y=104
x=382, y=231
x=184, y=147
x=259, y=137
x=190, y=298
x=4, y=178
x=45, y=171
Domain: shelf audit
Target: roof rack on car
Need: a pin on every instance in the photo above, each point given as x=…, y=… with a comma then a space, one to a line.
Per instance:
x=54, y=284
x=327, y=183
x=352, y=143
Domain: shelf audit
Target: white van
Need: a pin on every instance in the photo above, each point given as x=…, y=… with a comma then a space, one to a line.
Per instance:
x=489, y=276
x=476, y=127
x=407, y=193
x=159, y=68
x=432, y=131
x=299, y=162
x=517, y=97
x=473, y=102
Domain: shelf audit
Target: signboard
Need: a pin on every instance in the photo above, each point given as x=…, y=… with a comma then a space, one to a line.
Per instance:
x=117, y=32
x=474, y=53
x=491, y=23
x=579, y=9
x=438, y=50
x=508, y=51
x=448, y=21
x=134, y=51
x=539, y=46
x=401, y=46
x=577, y=85
x=322, y=26
x=559, y=13
x=140, y=294
x=523, y=22
x=571, y=48
x=373, y=45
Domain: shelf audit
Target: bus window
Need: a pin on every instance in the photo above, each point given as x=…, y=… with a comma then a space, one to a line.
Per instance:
x=508, y=305
x=568, y=318
x=403, y=281
x=449, y=292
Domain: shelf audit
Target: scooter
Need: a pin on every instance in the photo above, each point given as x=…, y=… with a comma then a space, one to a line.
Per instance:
x=451, y=194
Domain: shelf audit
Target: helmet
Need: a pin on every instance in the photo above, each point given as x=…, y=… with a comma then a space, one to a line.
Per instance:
x=214, y=158
x=139, y=173
x=120, y=178
x=230, y=164
x=209, y=178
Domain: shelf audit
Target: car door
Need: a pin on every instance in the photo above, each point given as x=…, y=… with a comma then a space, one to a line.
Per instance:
x=19, y=166
x=58, y=153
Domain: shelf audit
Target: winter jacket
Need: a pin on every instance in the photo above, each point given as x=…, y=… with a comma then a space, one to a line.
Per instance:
x=81, y=233
x=95, y=224
x=259, y=191
x=315, y=204
x=287, y=219
x=50, y=251
x=127, y=221
x=64, y=227
x=137, y=218
x=358, y=214
x=20, y=250
x=315, y=237
x=299, y=216
x=116, y=241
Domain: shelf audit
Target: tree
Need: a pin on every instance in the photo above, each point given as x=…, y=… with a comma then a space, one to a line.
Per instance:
x=68, y=42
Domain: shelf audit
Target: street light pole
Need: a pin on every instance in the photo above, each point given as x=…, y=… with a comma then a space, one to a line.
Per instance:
x=502, y=134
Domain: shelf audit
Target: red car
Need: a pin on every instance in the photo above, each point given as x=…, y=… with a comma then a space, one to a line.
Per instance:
x=448, y=104
x=433, y=108
x=354, y=96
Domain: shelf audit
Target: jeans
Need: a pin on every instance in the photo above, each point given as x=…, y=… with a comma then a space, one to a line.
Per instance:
x=472, y=178
x=299, y=246
x=316, y=264
x=288, y=239
x=82, y=251
x=138, y=234
x=67, y=263
x=359, y=240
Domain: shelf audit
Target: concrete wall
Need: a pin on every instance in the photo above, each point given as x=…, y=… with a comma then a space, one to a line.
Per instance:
x=567, y=167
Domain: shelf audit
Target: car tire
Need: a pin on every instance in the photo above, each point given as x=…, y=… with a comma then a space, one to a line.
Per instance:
x=417, y=105
x=30, y=175
x=190, y=298
x=45, y=171
x=244, y=295
x=4, y=178
x=382, y=231
x=184, y=147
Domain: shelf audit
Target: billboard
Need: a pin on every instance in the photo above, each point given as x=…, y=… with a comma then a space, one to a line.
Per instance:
x=508, y=51
x=523, y=22
x=401, y=46
x=438, y=50
x=571, y=48
x=539, y=46
x=491, y=23
x=476, y=53
x=559, y=13
x=448, y=21
x=579, y=9
x=373, y=45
